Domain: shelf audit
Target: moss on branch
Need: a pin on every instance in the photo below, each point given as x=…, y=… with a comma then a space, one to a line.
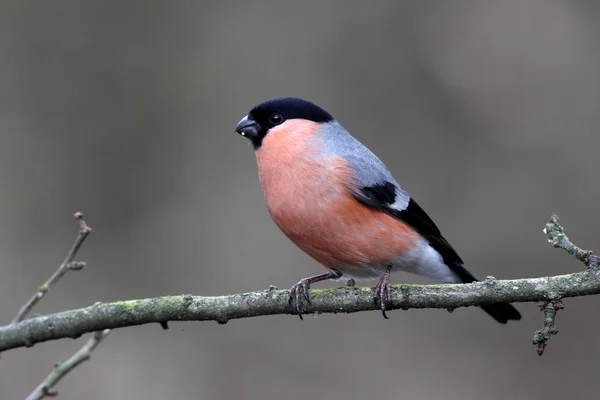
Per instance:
x=221, y=309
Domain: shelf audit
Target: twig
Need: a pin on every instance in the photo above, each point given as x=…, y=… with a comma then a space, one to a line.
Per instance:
x=67, y=264
x=541, y=337
x=83, y=354
x=45, y=389
x=557, y=238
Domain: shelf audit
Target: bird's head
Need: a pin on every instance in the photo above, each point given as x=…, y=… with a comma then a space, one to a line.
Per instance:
x=275, y=113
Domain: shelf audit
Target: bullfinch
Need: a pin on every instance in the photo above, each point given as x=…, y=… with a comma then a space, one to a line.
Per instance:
x=338, y=202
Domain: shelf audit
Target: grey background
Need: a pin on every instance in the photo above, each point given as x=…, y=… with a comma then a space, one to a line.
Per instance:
x=486, y=111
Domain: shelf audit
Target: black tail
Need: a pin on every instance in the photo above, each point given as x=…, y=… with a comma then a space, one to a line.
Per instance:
x=502, y=312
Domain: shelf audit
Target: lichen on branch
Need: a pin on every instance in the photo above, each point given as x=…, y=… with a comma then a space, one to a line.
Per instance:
x=221, y=309
x=74, y=323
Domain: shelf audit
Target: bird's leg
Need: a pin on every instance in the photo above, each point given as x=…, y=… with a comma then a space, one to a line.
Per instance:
x=383, y=290
x=300, y=289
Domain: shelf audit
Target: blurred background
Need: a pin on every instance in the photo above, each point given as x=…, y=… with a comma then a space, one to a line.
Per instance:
x=487, y=112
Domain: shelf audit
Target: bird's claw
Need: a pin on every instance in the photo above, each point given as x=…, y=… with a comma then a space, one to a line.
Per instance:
x=383, y=292
x=298, y=291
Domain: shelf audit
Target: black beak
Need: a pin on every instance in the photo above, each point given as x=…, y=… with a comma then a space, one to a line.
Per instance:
x=248, y=128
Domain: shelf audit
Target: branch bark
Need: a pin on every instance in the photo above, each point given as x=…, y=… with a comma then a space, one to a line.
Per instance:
x=221, y=309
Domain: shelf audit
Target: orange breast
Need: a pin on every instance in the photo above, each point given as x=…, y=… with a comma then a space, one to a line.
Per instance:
x=309, y=197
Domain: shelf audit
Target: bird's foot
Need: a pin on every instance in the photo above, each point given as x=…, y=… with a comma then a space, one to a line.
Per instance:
x=300, y=289
x=383, y=291
x=297, y=291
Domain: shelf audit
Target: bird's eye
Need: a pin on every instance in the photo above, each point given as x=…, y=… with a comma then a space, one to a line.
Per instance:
x=276, y=118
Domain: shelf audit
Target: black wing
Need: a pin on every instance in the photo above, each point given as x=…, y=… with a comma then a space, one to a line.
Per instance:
x=382, y=196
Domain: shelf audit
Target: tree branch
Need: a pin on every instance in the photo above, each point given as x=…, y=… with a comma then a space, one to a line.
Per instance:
x=67, y=264
x=61, y=369
x=221, y=309
x=557, y=238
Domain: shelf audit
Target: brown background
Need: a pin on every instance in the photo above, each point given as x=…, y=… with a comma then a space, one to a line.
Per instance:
x=486, y=111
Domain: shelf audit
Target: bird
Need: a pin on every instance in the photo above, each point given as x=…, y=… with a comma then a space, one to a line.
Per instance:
x=339, y=203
